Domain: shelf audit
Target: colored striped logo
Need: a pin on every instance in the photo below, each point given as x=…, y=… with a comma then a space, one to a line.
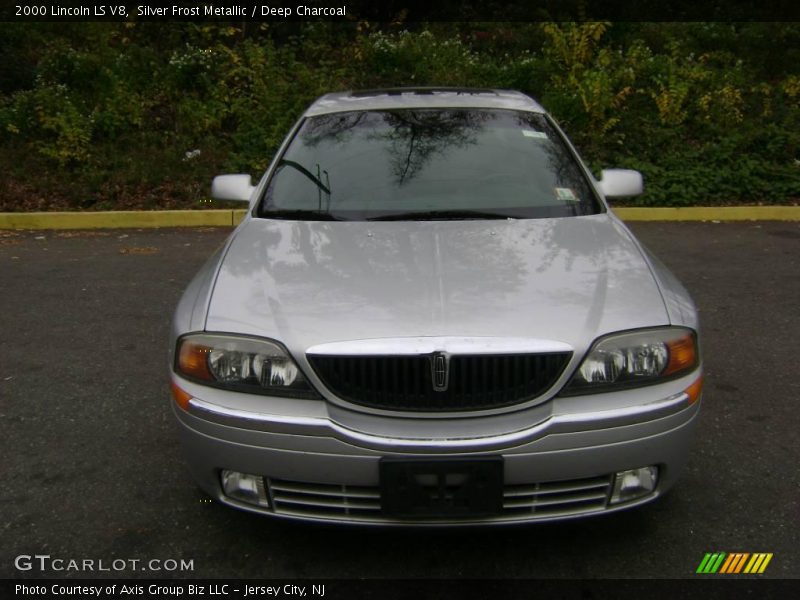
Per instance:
x=734, y=563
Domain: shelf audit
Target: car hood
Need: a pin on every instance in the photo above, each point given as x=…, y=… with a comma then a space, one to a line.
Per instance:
x=306, y=283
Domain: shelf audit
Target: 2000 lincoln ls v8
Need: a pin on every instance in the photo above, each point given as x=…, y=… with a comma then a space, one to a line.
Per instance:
x=430, y=316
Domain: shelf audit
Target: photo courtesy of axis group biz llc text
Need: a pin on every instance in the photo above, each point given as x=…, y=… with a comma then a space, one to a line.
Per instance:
x=168, y=590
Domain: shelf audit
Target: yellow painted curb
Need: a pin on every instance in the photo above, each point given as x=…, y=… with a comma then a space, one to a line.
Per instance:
x=228, y=218
x=711, y=213
x=116, y=219
x=238, y=215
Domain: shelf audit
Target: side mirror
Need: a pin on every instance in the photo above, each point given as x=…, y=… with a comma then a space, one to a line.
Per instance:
x=617, y=183
x=232, y=187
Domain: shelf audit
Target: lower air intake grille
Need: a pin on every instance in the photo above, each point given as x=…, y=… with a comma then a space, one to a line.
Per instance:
x=557, y=498
x=473, y=382
x=363, y=503
x=345, y=501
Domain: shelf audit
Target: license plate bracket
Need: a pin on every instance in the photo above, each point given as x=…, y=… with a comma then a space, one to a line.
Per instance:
x=441, y=488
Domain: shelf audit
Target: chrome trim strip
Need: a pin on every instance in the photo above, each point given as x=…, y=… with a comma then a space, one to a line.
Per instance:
x=449, y=345
x=248, y=419
x=522, y=517
x=567, y=423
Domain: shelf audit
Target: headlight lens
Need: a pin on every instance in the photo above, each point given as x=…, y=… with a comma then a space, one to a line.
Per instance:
x=241, y=364
x=635, y=358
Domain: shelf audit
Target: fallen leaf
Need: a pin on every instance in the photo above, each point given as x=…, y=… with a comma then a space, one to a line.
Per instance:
x=139, y=250
x=71, y=234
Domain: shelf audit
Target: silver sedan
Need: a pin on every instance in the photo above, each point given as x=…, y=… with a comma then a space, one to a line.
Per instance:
x=431, y=316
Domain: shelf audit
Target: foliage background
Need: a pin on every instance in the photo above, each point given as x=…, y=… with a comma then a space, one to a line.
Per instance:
x=141, y=115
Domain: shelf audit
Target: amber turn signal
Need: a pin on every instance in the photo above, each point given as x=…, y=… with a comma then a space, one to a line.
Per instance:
x=682, y=355
x=181, y=397
x=193, y=361
x=693, y=391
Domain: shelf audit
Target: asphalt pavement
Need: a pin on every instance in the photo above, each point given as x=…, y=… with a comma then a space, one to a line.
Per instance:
x=91, y=467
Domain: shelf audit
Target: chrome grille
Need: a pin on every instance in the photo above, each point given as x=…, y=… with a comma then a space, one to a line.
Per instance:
x=557, y=498
x=319, y=499
x=363, y=503
x=474, y=382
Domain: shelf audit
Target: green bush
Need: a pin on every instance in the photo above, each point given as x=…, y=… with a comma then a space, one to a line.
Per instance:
x=125, y=115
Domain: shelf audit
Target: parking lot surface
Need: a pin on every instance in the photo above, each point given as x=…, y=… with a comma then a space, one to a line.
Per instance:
x=92, y=468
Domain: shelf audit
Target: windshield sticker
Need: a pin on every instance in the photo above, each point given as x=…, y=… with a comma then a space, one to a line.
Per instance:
x=539, y=135
x=566, y=194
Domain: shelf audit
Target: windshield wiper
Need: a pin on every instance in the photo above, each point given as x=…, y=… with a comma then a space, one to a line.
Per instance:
x=315, y=180
x=299, y=215
x=441, y=215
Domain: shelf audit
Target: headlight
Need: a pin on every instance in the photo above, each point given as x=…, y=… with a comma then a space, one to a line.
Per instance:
x=241, y=364
x=635, y=358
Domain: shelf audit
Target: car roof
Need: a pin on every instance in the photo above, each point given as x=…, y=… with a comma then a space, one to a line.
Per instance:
x=422, y=97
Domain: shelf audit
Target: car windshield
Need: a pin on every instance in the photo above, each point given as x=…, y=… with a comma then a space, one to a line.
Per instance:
x=423, y=164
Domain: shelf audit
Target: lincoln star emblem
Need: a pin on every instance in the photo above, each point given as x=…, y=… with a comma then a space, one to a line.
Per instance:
x=439, y=371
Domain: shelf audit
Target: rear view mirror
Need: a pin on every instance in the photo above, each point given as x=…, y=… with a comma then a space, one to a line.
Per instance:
x=232, y=187
x=617, y=183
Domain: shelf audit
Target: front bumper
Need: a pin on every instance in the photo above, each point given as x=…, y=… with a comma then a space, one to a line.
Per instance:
x=317, y=467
